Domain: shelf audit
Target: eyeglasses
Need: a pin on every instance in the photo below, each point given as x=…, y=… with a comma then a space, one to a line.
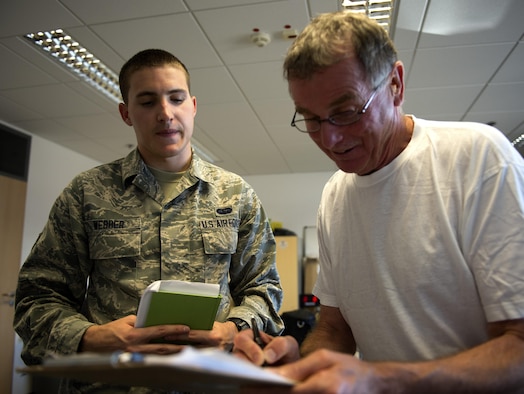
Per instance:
x=345, y=118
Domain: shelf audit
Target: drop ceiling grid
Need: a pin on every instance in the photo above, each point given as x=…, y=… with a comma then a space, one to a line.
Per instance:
x=470, y=22
x=457, y=65
x=94, y=12
x=177, y=33
x=229, y=30
x=244, y=107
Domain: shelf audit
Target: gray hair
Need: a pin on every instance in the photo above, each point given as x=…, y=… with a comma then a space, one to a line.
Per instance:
x=330, y=38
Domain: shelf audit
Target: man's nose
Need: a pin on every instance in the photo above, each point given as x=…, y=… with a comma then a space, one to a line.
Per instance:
x=165, y=114
x=330, y=135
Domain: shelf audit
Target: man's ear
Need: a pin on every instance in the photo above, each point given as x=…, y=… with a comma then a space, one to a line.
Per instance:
x=397, y=83
x=194, y=105
x=124, y=113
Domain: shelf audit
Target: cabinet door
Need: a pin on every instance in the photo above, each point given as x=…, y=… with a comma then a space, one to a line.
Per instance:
x=12, y=208
x=288, y=269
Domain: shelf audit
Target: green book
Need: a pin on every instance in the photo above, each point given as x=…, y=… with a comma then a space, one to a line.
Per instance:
x=178, y=302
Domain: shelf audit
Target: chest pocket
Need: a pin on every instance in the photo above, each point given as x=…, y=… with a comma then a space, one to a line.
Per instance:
x=114, y=238
x=220, y=241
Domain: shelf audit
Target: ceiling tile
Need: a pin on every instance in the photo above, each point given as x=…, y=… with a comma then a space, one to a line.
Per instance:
x=287, y=137
x=19, y=73
x=50, y=129
x=406, y=57
x=504, y=121
x=261, y=81
x=169, y=32
x=409, y=21
x=53, y=100
x=99, y=126
x=429, y=102
x=320, y=7
x=214, y=85
x=22, y=17
x=457, y=65
x=513, y=68
x=468, y=22
x=94, y=95
x=197, y=5
x=12, y=112
x=243, y=128
x=275, y=112
x=501, y=97
x=101, y=11
x=45, y=64
x=229, y=29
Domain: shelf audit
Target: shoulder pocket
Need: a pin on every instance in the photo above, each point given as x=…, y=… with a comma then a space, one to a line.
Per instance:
x=220, y=241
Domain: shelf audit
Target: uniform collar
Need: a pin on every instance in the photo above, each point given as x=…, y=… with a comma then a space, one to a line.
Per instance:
x=133, y=165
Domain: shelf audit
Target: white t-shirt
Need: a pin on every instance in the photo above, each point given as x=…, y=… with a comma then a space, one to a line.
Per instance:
x=419, y=255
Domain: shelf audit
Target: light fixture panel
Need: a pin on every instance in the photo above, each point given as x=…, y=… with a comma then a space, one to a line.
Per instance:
x=63, y=48
x=379, y=10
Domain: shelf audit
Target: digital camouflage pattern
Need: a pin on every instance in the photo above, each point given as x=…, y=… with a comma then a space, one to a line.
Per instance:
x=109, y=235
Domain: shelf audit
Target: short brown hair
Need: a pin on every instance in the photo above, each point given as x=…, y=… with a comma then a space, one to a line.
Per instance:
x=148, y=58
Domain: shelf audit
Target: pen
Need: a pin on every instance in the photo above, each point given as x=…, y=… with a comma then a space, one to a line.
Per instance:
x=256, y=334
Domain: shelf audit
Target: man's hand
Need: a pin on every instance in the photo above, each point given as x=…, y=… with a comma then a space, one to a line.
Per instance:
x=221, y=336
x=278, y=350
x=121, y=334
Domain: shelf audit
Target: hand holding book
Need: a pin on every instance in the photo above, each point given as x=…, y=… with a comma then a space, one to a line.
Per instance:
x=178, y=302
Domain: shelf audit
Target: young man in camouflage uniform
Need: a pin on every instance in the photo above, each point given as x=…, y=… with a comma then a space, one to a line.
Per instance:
x=159, y=213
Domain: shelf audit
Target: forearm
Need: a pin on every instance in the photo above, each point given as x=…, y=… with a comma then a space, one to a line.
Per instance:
x=48, y=330
x=331, y=332
x=255, y=285
x=44, y=319
x=336, y=338
x=496, y=366
x=114, y=335
x=256, y=303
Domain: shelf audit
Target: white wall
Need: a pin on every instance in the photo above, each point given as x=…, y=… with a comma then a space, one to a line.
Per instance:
x=51, y=167
x=291, y=198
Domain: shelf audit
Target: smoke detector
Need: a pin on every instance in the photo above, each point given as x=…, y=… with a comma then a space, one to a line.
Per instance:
x=289, y=33
x=260, y=39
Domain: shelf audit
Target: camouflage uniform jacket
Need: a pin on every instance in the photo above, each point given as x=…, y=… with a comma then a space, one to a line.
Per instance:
x=109, y=236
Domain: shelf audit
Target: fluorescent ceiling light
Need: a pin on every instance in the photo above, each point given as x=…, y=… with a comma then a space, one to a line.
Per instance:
x=518, y=142
x=63, y=48
x=379, y=10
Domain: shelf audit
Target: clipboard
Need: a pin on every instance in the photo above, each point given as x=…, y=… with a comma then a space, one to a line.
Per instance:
x=192, y=369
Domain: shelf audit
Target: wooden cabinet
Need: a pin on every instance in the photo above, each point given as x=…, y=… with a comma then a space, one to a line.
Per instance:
x=12, y=208
x=15, y=149
x=288, y=269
